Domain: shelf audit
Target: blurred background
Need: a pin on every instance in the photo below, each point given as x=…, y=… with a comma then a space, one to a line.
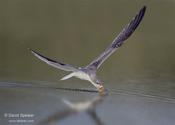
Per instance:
x=76, y=32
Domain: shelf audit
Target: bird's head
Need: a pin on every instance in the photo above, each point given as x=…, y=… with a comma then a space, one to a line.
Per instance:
x=102, y=91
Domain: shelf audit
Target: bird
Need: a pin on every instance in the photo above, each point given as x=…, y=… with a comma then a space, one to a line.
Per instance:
x=89, y=72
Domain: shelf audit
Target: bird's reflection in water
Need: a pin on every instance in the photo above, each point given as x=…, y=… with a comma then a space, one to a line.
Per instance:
x=88, y=106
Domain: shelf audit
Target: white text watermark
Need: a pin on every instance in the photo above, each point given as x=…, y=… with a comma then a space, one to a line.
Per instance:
x=19, y=117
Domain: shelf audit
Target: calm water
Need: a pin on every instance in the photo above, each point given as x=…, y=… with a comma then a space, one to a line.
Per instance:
x=140, y=76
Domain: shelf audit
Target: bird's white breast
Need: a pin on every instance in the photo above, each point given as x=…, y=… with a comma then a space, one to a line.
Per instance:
x=82, y=75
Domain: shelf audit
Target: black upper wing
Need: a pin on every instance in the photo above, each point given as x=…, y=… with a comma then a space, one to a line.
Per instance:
x=56, y=64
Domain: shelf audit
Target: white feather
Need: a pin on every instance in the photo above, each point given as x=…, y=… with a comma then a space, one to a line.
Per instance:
x=67, y=76
x=80, y=75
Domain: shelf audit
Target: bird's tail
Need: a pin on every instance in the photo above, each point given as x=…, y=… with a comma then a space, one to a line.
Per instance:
x=68, y=76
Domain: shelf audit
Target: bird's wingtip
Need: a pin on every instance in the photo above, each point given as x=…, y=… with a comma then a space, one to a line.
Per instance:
x=32, y=51
x=144, y=8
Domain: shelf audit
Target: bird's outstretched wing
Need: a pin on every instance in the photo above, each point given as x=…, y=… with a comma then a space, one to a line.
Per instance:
x=56, y=64
x=119, y=40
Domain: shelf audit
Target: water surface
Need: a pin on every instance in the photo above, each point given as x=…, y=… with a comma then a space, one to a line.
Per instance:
x=140, y=76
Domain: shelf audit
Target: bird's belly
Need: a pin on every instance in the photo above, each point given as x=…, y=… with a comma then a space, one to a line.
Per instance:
x=82, y=75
